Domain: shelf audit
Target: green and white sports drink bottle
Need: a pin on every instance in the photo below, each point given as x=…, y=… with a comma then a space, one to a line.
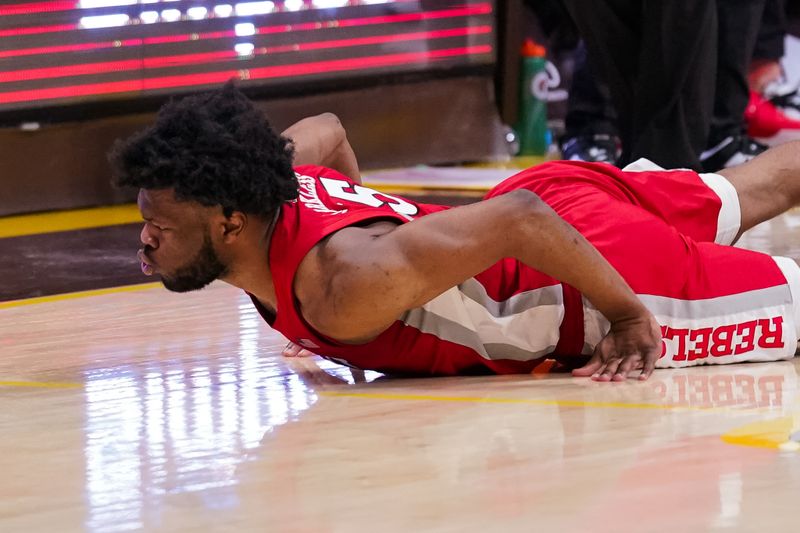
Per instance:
x=531, y=127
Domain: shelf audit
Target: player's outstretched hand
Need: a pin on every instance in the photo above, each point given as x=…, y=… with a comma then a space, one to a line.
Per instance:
x=293, y=350
x=631, y=344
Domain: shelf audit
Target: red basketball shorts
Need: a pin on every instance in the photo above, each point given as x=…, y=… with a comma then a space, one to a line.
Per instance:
x=668, y=233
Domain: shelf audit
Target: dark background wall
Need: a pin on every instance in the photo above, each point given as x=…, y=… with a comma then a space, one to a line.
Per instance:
x=437, y=121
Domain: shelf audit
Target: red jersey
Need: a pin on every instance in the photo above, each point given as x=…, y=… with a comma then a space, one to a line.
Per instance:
x=504, y=320
x=663, y=231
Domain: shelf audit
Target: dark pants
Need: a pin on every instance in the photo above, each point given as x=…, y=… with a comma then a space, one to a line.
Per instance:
x=771, y=34
x=658, y=58
x=589, y=108
x=739, y=22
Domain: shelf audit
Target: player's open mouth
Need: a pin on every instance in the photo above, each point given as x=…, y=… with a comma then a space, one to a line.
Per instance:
x=147, y=268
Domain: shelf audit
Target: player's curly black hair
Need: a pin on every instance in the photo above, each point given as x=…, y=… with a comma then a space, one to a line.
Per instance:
x=214, y=148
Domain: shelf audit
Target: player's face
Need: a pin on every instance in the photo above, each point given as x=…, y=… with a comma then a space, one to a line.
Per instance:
x=177, y=243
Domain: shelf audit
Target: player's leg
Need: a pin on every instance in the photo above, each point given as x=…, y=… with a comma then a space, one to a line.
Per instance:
x=718, y=207
x=767, y=185
x=704, y=207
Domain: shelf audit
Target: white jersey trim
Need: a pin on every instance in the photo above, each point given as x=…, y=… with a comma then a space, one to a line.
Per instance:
x=729, y=220
x=521, y=328
x=645, y=165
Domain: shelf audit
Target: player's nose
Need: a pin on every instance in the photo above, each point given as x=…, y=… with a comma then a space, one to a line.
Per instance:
x=147, y=237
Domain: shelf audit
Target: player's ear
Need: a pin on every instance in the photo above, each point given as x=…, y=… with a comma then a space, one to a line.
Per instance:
x=233, y=226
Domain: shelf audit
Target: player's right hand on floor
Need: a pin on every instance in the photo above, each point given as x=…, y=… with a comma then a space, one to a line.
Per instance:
x=293, y=350
x=631, y=344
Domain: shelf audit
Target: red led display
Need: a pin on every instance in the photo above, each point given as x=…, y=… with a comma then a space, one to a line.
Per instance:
x=64, y=52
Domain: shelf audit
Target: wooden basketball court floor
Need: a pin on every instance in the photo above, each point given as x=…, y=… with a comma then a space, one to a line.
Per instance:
x=130, y=408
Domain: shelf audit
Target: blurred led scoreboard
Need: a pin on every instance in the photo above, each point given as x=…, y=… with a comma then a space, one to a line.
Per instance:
x=64, y=52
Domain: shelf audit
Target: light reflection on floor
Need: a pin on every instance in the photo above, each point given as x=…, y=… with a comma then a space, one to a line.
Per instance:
x=148, y=423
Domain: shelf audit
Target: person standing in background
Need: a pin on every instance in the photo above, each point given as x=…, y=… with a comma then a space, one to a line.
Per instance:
x=676, y=75
x=654, y=56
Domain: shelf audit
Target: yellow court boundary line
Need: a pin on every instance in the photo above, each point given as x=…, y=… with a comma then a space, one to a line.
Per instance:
x=95, y=217
x=531, y=401
x=41, y=384
x=751, y=441
x=80, y=294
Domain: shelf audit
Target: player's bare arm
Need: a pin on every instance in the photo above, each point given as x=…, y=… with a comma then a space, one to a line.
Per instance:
x=355, y=284
x=322, y=140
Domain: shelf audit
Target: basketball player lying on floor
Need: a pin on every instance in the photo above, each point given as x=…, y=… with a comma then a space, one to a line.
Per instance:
x=632, y=267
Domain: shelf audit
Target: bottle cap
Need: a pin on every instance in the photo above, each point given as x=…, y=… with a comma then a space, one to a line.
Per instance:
x=531, y=49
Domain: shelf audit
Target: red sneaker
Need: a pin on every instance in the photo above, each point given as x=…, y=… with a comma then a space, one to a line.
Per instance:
x=765, y=121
